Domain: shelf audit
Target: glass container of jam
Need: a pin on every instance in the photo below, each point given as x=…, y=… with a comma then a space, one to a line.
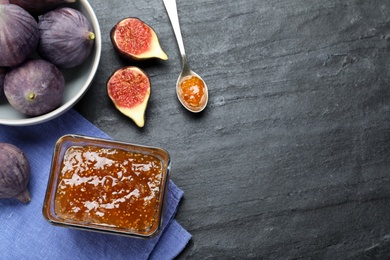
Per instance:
x=107, y=186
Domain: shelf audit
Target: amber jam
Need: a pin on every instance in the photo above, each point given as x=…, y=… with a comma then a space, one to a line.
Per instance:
x=192, y=90
x=109, y=187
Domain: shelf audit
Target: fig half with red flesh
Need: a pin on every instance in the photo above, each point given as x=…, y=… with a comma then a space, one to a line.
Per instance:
x=129, y=90
x=134, y=39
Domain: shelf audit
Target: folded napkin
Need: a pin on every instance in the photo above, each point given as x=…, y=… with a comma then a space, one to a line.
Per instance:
x=25, y=234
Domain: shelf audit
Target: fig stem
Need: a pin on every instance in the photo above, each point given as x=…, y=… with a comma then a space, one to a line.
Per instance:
x=91, y=36
x=24, y=196
x=31, y=96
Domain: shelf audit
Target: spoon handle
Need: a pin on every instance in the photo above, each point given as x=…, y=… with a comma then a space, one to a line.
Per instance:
x=170, y=6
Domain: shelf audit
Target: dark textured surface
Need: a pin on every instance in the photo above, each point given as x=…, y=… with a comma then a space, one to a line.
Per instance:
x=291, y=159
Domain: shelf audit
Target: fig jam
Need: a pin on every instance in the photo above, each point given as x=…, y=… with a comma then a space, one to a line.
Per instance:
x=192, y=90
x=109, y=187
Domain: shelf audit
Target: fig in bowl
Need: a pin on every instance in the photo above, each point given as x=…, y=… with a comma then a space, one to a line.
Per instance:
x=66, y=37
x=77, y=79
x=18, y=35
x=38, y=7
x=35, y=87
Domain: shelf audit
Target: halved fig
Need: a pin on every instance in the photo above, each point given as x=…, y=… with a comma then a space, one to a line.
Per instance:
x=19, y=35
x=66, y=37
x=134, y=39
x=38, y=7
x=129, y=90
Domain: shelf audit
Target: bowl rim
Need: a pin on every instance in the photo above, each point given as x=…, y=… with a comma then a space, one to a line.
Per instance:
x=70, y=103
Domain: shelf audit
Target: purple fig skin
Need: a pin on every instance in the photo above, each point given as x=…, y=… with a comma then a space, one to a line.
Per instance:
x=14, y=173
x=66, y=37
x=35, y=87
x=2, y=76
x=38, y=7
x=19, y=35
x=4, y=2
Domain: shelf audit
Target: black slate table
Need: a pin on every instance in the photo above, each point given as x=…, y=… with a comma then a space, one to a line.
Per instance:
x=291, y=158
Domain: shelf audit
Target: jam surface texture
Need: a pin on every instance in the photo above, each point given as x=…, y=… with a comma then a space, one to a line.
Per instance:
x=109, y=187
x=192, y=91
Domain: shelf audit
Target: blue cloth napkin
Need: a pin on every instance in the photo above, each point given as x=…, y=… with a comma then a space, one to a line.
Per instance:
x=25, y=234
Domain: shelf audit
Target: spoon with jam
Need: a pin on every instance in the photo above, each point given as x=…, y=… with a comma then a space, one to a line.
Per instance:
x=191, y=89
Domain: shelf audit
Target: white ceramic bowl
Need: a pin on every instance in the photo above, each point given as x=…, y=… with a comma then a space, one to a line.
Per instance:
x=77, y=80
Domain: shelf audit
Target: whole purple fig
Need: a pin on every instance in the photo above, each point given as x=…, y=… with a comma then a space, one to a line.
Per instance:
x=19, y=35
x=38, y=7
x=35, y=87
x=66, y=37
x=14, y=173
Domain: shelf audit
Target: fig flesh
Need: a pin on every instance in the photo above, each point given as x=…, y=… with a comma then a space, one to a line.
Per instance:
x=129, y=90
x=66, y=37
x=35, y=87
x=38, y=7
x=19, y=35
x=136, y=40
x=14, y=173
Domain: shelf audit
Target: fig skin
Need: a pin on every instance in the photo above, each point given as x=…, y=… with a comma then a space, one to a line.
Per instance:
x=66, y=37
x=2, y=76
x=38, y=7
x=129, y=90
x=35, y=87
x=19, y=35
x=4, y=2
x=14, y=173
x=134, y=39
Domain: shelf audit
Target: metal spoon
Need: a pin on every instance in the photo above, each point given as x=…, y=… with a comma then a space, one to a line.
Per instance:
x=170, y=6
